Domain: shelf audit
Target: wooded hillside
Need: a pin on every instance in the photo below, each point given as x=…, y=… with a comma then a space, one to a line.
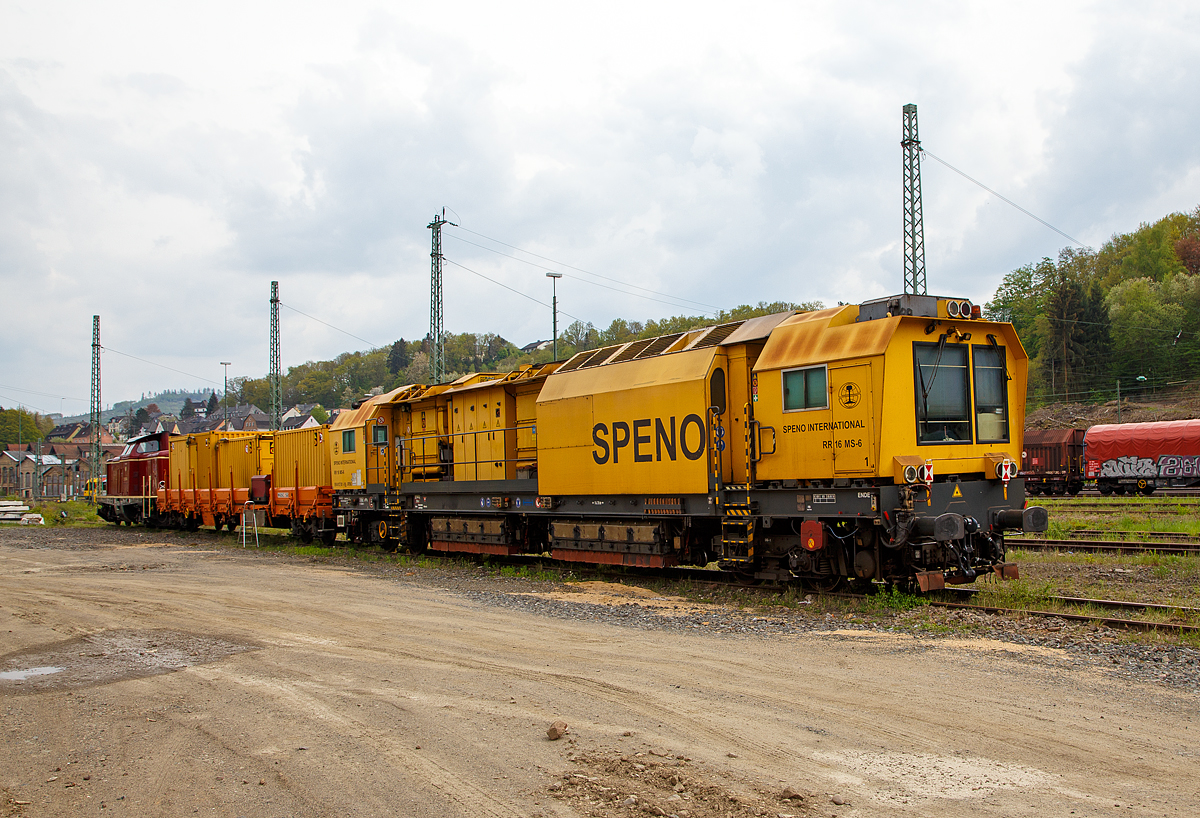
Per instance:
x=1128, y=312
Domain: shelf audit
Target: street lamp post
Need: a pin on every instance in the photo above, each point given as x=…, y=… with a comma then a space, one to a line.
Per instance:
x=554, y=277
x=225, y=396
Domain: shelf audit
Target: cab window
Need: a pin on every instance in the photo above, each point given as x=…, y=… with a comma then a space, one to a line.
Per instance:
x=348, y=441
x=805, y=389
x=991, y=394
x=943, y=393
x=379, y=434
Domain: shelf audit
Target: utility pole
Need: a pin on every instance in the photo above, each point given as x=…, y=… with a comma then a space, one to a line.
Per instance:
x=276, y=376
x=225, y=396
x=37, y=470
x=914, y=229
x=95, y=410
x=554, y=277
x=435, y=301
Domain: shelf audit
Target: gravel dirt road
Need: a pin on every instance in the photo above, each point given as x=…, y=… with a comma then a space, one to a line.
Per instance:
x=151, y=675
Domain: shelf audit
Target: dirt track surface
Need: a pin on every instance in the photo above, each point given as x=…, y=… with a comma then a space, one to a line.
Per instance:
x=177, y=679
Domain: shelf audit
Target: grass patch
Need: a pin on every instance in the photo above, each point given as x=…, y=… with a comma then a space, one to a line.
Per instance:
x=1015, y=593
x=539, y=573
x=70, y=513
x=892, y=601
x=312, y=551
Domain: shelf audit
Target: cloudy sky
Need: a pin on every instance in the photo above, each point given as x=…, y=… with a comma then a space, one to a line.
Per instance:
x=162, y=163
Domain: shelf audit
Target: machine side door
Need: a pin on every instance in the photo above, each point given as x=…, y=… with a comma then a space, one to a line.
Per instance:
x=378, y=454
x=853, y=432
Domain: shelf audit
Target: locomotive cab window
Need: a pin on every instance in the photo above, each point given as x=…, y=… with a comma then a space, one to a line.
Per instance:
x=348, y=441
x=379, y=434
x=991, y=394
x=943, y=393
x=805, y=389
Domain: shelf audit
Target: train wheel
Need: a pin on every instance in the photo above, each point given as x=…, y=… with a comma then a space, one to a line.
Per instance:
x=1106, y=489
x=1148, y=489
x=826, y=584
x=1120, y=490
x=328, y=536
x=231, y=523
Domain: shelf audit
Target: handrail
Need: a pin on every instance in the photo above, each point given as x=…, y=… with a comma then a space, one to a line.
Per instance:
x=410, y=464
x=249, y=506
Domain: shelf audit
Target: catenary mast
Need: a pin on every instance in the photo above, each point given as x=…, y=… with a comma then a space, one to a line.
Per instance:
x=276, y=376
x=438, y=351
x=95, y=409
x=914, y=230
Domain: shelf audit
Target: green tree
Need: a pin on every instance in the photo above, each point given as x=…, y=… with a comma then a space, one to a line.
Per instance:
x=1144, y=324
x=141, y=417
x=19, y=426
x=211, y=409
x=188, y=411
x=319, y=414
x=398, y=357
x=578, y=336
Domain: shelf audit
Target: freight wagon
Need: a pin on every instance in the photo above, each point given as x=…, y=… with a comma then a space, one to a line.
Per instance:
x=1052, y=461
x=1140, y=457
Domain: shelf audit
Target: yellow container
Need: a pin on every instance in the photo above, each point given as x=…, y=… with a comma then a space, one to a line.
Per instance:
x=302, y=457
x=238, y=456
x=180, y=459
x=633, y=427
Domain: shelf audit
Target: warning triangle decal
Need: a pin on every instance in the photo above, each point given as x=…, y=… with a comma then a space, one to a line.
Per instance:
x=957, y=493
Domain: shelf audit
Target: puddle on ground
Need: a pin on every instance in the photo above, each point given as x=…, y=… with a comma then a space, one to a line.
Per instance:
x=110, y=656
x=22, y=675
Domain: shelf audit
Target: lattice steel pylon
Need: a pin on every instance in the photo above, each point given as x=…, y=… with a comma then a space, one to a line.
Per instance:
x=914, y=229
x=436, y=336
x=276, y=376
x=94, y=471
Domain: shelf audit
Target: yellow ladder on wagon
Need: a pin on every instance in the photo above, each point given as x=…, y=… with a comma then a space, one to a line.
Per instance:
x=737, y=509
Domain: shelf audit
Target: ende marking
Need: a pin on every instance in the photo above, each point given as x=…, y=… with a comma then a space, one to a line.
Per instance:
x=663, y=439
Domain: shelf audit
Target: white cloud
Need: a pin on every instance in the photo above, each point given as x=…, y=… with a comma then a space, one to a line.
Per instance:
x=161, y=165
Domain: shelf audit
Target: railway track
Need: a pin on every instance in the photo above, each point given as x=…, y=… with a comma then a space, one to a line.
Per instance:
x=1092, y=610
x=1087, y=610
x=1106, y=546
x=1147, y=536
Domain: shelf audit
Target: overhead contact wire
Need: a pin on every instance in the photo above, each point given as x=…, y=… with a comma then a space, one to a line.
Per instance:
x=577, y=269
x=511, y=290
x=331, y=326
x=1003, y=198
x=155, y=363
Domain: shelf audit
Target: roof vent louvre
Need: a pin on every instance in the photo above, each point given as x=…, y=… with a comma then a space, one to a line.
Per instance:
x=600, y=356
x=631, y=350
x=717, y=335
x=576, y=361
x=658, y=345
